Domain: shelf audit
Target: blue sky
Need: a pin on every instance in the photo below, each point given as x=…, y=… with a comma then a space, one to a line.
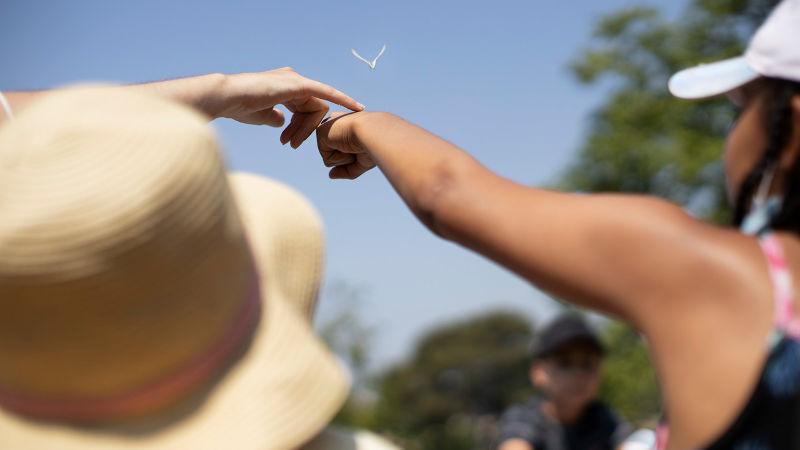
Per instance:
x=490, y=77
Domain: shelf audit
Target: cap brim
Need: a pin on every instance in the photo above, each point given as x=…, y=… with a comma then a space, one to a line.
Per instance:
x=709, y=80
x=570, y=339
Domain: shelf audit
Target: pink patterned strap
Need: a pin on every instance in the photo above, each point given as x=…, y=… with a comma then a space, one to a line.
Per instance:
x=784, y=319
x=662, y=436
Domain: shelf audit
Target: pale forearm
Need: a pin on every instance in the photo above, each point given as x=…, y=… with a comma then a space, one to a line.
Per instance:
x=203, y=92
x=249, y=98
x=17, y=101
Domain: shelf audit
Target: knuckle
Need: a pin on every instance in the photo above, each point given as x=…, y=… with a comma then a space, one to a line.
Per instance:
x=304, y=90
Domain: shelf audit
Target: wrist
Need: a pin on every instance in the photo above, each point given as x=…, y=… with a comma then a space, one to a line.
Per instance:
x=361, y=125
x=213, y=94
x=365, y=120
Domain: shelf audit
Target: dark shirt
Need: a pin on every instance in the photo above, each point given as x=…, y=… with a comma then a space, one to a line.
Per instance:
x=597, y=429
x=770, y=418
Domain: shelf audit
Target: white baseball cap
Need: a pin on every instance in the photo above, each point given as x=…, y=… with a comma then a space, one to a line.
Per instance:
x=774, y=52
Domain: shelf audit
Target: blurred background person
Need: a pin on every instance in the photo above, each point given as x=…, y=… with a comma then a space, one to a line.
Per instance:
x=566, y=368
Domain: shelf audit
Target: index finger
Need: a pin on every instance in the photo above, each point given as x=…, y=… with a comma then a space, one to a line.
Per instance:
x=325, y=92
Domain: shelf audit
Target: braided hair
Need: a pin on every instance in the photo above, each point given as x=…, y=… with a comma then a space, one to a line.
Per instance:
x=778, y=122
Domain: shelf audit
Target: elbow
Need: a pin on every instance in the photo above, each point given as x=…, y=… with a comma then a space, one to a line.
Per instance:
x=442, y=194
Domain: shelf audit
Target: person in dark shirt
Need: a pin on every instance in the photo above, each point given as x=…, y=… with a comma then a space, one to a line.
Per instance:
x=565, y=367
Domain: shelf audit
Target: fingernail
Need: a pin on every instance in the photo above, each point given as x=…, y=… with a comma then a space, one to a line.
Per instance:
x=361, y=106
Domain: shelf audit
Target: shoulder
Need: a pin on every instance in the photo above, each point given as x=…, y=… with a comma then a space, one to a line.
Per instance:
x=527, y=411
x=678, y=262
x=522, y=421
x=599, y=412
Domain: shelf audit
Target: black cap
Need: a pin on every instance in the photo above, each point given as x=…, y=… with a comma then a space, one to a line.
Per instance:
x=565, y=328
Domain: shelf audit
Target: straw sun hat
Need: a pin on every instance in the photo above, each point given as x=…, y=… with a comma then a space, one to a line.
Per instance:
x=146, y=299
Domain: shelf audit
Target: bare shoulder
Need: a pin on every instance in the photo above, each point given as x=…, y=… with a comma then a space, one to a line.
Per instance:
x=627, y=255
x=680, y=262
x=705, y=306
x=709, y=339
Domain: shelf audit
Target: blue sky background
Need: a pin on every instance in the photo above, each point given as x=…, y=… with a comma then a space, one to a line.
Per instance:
x=491, y=77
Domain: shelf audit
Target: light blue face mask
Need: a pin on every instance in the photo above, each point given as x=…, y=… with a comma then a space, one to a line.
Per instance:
x=765, y=208
x=759, y=218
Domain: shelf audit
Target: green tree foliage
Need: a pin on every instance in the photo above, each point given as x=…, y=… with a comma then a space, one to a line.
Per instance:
x=629, y=381
x=642, y=139
x=346, y=334
x=458, y=375
x=344, y=330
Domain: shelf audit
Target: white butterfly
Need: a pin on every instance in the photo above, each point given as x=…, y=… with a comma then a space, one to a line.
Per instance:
x=370, y=64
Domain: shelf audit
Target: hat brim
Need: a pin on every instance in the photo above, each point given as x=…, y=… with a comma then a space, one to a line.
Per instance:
x=709, y=80
x=280, y=393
